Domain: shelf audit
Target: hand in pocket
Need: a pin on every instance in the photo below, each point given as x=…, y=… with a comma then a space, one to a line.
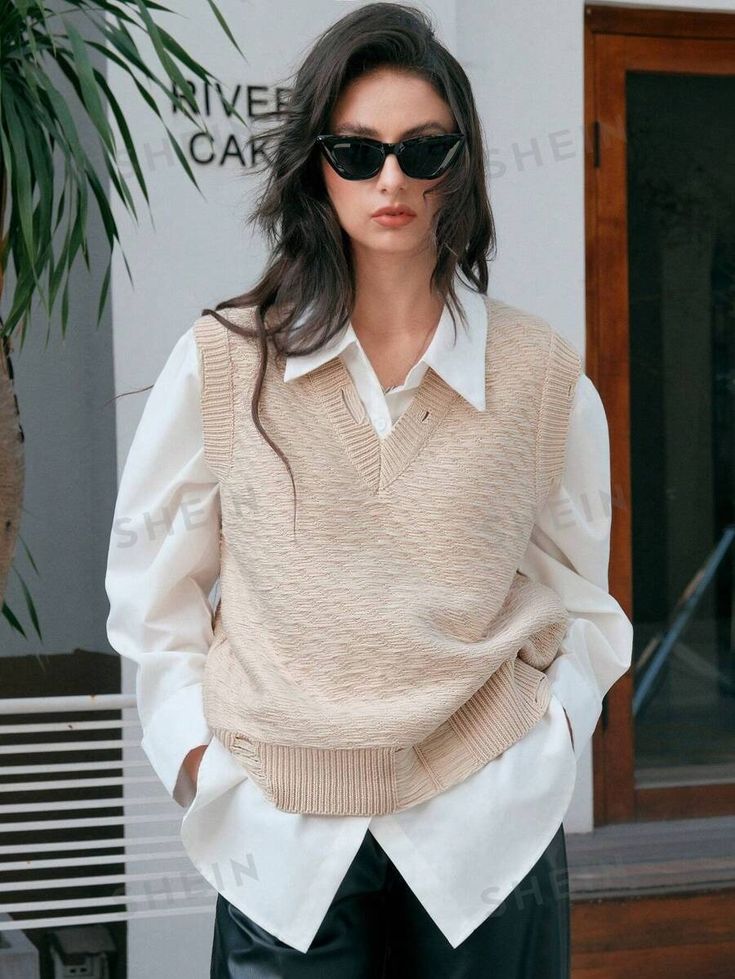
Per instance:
x=192, y=762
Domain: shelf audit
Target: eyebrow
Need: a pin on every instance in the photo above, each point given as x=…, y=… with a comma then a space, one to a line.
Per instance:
x=354, y=128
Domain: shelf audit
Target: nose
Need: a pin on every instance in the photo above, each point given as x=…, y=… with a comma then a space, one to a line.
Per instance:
x=391, y=172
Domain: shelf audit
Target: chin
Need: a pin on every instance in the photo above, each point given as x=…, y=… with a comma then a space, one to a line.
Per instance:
x=394, y=247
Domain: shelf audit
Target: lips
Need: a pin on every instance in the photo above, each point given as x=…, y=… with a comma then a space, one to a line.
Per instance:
x=398, y=209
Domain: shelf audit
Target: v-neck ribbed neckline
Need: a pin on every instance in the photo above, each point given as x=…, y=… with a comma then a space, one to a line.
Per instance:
x=380, y=460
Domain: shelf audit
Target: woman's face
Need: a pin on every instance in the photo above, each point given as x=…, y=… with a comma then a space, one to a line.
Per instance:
x=389, y=106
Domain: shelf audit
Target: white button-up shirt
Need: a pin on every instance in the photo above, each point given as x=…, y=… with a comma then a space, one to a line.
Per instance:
x=462, y=851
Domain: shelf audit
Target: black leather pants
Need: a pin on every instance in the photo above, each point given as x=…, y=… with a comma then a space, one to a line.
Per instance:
x=376, y=928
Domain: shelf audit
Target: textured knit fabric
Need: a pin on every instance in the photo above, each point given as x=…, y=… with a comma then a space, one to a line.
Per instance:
x=346, y=677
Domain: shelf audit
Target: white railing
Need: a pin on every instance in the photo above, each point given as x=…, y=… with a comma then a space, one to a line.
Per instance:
x=77, y=802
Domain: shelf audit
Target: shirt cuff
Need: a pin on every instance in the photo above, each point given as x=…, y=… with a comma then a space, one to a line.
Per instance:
x=581, y=702
x=175, y=728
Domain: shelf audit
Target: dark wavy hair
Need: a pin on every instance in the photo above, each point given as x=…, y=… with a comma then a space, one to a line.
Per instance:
x=309, y=276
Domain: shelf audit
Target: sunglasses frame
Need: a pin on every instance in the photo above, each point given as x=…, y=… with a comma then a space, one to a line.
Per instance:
x=326, y=140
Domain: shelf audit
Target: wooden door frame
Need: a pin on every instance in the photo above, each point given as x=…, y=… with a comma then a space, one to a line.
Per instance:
x=618, y=37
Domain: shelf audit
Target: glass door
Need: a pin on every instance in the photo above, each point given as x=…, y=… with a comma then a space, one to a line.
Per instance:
x=681, y=248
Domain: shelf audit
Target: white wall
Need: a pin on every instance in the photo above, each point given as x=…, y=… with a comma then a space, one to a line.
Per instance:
x=525, y=60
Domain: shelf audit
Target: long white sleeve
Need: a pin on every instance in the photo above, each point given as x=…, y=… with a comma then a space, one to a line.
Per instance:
x=163, y=562
x=569, y=551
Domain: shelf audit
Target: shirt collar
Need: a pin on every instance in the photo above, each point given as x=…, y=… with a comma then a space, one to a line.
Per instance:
x=461, y=364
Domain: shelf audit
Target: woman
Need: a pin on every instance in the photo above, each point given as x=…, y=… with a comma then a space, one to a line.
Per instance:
x=375, y=735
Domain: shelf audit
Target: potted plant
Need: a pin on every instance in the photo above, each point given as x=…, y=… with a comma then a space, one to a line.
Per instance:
x=35, y=123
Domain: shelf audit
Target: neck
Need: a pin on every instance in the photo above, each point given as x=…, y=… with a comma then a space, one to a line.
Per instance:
x=393, y=301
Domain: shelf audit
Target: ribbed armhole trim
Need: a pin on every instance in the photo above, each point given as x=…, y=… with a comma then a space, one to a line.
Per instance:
x=216, y=381
x=563, y=369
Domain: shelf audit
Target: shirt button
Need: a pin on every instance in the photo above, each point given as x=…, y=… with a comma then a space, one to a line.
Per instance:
x=381, y=425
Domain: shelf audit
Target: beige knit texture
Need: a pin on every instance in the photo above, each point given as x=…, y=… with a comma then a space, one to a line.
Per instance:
x=392, y=648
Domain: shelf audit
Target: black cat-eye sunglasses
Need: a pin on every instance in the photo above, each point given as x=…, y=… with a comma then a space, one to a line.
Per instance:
x=423, y=157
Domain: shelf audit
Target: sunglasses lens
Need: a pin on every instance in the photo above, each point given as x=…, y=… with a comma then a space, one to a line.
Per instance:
x=355, y=159
x=423, y=160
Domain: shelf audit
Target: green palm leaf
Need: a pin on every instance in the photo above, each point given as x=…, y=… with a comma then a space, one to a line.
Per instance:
x=46, y=176
x=36, y=123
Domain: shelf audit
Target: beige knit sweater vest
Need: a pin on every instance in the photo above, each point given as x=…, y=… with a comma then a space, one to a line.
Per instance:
x=391, y=648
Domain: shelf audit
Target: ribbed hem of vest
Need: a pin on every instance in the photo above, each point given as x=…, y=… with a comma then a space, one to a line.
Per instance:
x=563, y=370
x=380, y=780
